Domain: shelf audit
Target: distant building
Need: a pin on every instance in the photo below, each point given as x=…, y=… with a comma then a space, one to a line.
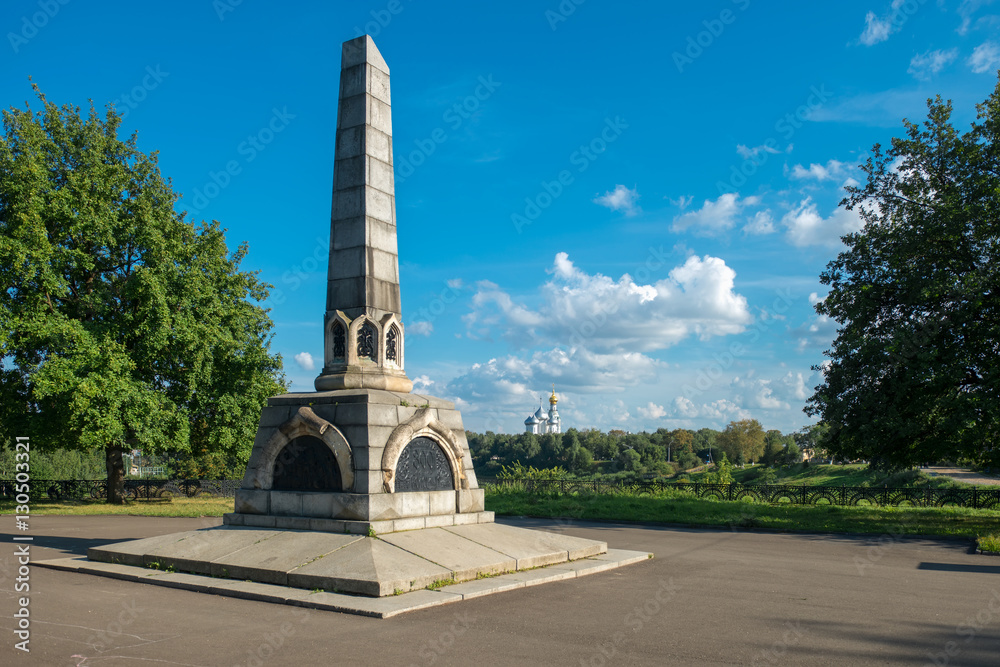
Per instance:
x=540, y=423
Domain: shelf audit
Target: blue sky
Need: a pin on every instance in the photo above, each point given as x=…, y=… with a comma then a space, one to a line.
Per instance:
x=633, y=201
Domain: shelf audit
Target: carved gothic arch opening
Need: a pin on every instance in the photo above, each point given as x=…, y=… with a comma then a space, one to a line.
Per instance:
x=419, y=428
x=314, y=441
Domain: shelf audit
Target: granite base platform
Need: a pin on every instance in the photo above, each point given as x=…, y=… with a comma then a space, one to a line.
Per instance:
x=374, y=576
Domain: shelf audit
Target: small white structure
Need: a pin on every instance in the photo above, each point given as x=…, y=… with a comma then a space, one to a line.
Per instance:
x=540, y=423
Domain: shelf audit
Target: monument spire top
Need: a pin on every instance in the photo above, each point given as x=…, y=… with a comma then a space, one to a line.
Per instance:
x=363, y=331
x=362, y=50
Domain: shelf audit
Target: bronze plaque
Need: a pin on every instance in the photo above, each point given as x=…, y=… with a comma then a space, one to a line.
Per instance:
x=422, y=466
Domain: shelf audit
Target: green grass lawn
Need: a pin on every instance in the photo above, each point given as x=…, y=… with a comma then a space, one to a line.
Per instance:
x=841, y=475
x=667, y=507
x=677, y=508
x=193, y=507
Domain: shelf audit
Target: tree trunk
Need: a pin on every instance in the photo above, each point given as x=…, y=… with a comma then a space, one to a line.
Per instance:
x=116, y=474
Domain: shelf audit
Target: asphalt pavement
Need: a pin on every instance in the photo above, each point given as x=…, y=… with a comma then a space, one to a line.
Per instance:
x=709, y=597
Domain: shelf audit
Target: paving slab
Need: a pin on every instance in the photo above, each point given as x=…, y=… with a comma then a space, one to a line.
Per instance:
x=384, y=607
x=365, y=561
x=368, y=567
x=622, y=556
x=269, y=560
x=466, y=559
x=542, y=575
x=531, y=548
x=133, y=552
x=480, y=587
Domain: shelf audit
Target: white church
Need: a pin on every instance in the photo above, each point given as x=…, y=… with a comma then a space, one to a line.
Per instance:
x=541, y=423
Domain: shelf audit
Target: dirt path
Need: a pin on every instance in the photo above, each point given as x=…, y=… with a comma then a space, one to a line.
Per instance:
x=962, y=475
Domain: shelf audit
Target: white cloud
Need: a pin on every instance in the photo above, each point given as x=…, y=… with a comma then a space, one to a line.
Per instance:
x=756, y=393
x=620, y=199
x=721, y=411
x=682, y=202
x=421, y=384
x=883, y=108
x=876, y=30
x=501, y=392
x=420, y=328
x=599, y=313
x=967, y=9
x=794, y=384
x=807, y=227
x=760, y=223
x=833, y=169
x=752, y=153
x=923, y=65
x=652, y=411
x=714, y=217
x=985, y=58
x=817, y=333
x=305, y=361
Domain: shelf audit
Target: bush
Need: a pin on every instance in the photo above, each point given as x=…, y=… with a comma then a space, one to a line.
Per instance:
x=760, y=475
x=721, y=474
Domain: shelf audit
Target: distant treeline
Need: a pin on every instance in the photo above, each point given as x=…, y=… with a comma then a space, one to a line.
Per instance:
x=662, y=452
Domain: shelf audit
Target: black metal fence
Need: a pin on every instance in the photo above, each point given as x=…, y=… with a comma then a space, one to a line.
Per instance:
x=80, y=489
x=975, y=497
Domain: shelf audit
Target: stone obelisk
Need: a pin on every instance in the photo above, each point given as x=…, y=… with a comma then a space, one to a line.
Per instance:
x=363, y=332
x=361, y=486
x=362, y=452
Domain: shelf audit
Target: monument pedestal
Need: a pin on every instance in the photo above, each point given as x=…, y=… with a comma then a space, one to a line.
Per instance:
x=357, y=461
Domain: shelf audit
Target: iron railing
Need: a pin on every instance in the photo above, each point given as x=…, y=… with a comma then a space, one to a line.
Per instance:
x=79, y=489
x=974, y=497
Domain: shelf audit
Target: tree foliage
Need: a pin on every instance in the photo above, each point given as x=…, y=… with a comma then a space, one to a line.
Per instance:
x=743, y=441
x=912, y=375
x=122, y=325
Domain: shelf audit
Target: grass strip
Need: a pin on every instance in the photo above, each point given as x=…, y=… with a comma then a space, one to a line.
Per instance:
x=183, y=507
x=989, y=543
x=669, y=507
x=934, y=521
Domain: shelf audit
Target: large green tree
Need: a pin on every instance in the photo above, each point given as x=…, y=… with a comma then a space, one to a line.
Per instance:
x=122, y=325
x=912, y=375
x=743, y=441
